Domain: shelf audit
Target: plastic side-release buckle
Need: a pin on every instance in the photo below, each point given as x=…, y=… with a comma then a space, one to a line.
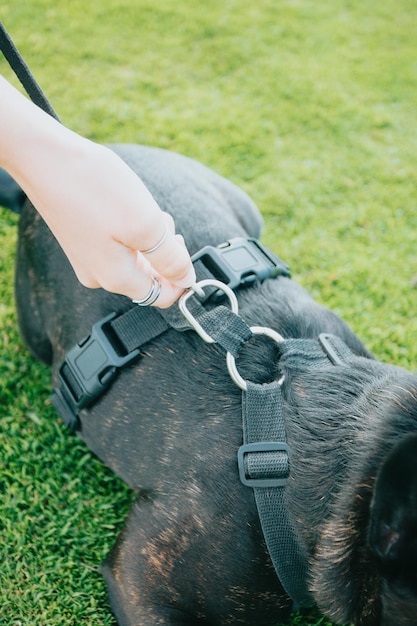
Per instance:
x=241, y=261
x=271, y=470
x=88, y=370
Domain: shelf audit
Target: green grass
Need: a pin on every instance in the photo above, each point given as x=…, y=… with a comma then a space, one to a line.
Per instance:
x=309, y=105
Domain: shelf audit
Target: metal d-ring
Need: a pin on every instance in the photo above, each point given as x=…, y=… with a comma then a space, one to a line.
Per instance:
x=231, y=362
x=197, y=289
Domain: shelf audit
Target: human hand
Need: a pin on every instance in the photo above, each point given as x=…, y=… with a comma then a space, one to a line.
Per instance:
x=99, y=210
x=110, y=227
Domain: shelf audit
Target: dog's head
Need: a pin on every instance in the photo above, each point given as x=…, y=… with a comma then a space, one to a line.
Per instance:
x=365, y=568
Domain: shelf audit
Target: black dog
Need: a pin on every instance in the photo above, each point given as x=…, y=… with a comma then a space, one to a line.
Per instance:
x=192, y=551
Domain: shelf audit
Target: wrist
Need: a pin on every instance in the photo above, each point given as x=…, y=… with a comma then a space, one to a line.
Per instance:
x=29, y=137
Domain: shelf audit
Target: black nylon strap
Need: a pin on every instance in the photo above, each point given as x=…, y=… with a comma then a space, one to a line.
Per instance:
x=142, y=324
x=267, y=459
x=23, y=73
x=263, y=422
x=328, y=350
x=227, y=329
x=138, y=326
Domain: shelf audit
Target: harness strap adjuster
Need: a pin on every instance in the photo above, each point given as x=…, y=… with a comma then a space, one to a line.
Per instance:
x=264, y=464
x=335, y=349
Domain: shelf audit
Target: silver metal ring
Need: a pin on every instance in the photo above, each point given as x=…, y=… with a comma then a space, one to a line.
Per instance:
x=152, y=295
x=197, y=288
x=157, y=245
x=231, y=363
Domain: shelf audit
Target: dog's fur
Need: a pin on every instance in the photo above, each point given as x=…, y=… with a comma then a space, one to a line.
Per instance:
x=192, y=551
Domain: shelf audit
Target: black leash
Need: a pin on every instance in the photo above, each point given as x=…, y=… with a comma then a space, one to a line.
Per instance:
x=23, y=73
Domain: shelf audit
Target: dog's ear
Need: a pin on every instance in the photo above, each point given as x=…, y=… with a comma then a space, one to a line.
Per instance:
x=349, y=585
x=393, y=522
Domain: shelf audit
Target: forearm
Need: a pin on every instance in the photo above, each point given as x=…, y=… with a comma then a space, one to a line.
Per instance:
x=27, y=134
x=39, y=152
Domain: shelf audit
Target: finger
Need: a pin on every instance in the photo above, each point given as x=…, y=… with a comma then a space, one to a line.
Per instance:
x=155, y=238
x=168, y=295
x=171, y=260
x=133, y=276
x=161, y=293
x=185, y=281
x=124, y=272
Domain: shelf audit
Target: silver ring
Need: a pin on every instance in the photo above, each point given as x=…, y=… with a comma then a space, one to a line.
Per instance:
x=157, y=245
x=152, y=295
x=231, y=362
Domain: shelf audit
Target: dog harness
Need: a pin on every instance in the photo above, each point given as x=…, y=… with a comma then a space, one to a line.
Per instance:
x=92, y=364
x=264, y=459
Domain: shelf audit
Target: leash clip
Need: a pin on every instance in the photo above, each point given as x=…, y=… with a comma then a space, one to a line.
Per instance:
x=197, y=289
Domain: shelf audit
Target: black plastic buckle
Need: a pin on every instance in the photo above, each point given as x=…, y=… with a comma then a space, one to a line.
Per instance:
x=260, y=448
x=241, y=261
x=87, y=371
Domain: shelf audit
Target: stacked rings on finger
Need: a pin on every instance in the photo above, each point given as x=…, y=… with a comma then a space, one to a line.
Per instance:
x=153, y=294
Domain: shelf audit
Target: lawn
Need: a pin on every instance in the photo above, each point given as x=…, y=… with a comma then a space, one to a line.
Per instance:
x=310, y=106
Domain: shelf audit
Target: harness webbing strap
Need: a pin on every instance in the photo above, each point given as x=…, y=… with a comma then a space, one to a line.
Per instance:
x=263, y=421
x=137, y=327
x=327, y=350
x=142, y=324
x=265, y=460
x=227, y=329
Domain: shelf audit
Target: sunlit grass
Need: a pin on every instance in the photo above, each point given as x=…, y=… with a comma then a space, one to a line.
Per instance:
x=309, y=105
